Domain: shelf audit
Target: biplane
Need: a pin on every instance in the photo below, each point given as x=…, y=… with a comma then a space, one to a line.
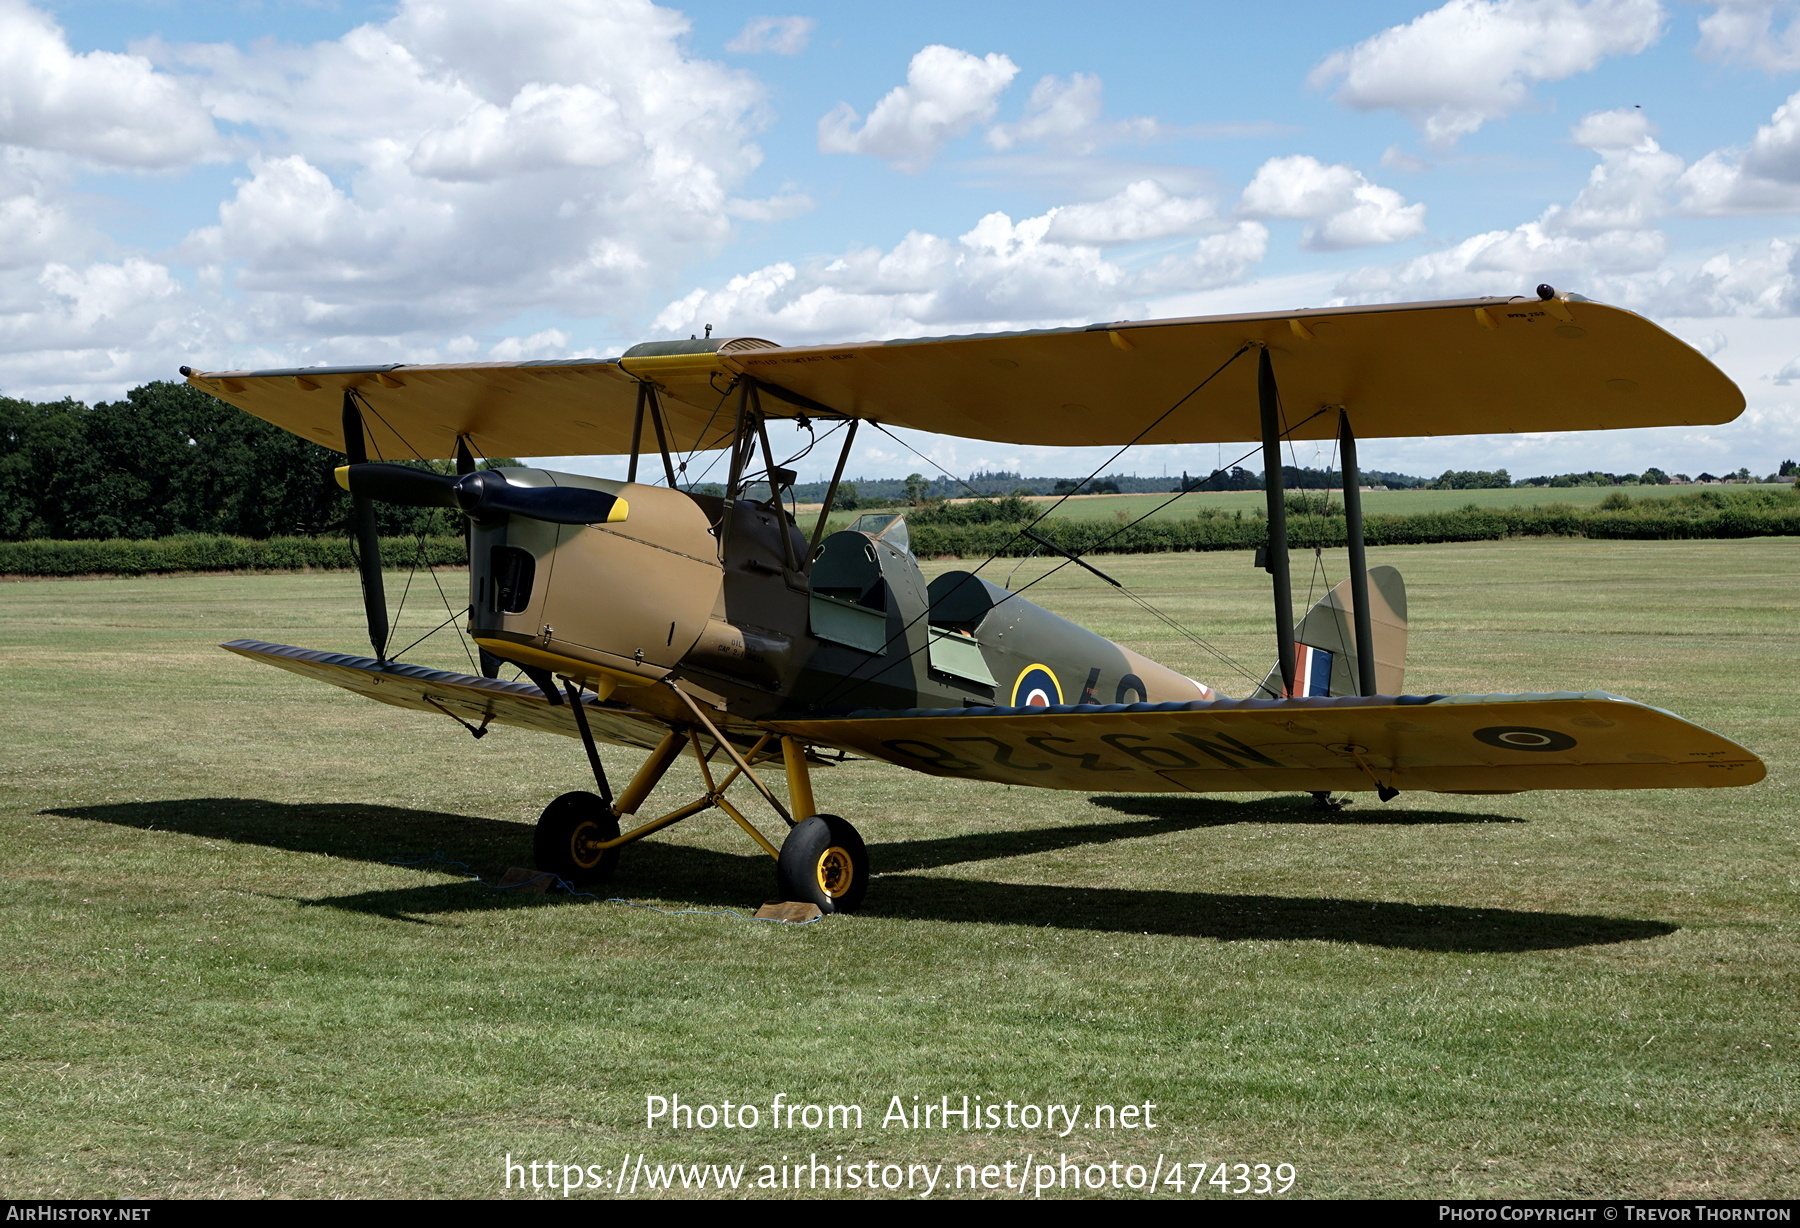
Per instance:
x=644, y=613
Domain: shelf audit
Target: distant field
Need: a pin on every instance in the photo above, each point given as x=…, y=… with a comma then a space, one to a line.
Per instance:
x=1398, y=502
x=216, y=984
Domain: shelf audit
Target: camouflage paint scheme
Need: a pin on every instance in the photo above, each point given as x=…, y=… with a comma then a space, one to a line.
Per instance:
x=721, y=601
x=701, y=590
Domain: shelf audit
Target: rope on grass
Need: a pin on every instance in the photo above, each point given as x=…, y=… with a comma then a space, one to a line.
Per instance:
x=438, y=858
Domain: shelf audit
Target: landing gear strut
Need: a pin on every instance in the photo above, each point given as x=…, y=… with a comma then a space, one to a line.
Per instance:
x=822, y=861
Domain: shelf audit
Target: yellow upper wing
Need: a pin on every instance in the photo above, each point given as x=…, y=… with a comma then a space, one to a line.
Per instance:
x=1476, y=366
x=1487, y=366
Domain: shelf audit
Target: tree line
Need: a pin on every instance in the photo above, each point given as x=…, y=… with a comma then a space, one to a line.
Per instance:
x=169, y=460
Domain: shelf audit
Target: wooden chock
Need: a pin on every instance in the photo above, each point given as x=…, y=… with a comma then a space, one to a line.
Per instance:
x=789, y=910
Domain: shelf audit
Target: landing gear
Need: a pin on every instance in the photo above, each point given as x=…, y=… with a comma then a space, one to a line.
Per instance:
x=567, y=838
x=823, y=861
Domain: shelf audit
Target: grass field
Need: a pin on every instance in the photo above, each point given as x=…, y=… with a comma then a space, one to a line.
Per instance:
x=1389, y=502
x=217, y=985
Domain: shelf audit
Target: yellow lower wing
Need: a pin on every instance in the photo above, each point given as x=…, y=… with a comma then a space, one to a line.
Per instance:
x=479, y=701
x=1445, y=744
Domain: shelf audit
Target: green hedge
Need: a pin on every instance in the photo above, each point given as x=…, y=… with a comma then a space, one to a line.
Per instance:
x=120, y=557
x=1649, y=523
x=1651, y=520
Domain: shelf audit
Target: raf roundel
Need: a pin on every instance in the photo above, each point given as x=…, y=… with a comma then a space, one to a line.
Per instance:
x=1523, y=737
x=1037, y=687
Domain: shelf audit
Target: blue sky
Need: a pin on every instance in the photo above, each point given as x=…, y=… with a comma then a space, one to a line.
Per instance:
x=231, y=185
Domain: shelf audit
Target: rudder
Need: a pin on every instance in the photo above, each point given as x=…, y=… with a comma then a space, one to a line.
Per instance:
x=1325, y=641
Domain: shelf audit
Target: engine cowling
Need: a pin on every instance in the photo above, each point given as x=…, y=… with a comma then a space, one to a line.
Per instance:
x=615, y=604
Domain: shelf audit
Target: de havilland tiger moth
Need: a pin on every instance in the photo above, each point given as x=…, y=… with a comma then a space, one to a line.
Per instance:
x=642, y=614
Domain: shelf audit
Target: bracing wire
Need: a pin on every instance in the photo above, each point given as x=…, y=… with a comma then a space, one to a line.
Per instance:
x=418, y=547
x=454, y=615
x=681, y=468
x=852, y=677
x=1233, y=664
x=365, y=403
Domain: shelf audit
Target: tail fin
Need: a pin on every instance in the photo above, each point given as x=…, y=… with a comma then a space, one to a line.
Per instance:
x=1325, y=641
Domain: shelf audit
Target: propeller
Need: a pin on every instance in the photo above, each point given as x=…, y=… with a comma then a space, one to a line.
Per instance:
x=362, y=528
x=465, y=464
x=481, y=496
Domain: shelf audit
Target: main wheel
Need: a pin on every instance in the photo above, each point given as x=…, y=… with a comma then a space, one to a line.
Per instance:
x=823, y=862
x=568, y=833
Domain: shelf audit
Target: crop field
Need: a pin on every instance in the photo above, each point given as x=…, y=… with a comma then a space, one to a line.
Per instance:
x=1389, y=502
x=231, y=968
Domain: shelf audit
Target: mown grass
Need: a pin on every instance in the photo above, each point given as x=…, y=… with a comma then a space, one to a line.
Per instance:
x=216, y=984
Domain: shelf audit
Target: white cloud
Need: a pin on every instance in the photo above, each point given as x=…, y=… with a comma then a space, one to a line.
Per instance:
x=1217, y=260
x=550, y=343
x=540, y=128
x=1604, y=242
x=1345, y=208
x=76, y=317
x=1141, y=211
x=1743, y=31
x=34, y=226
x=781, y=35
x=1459, y=66
x=113, y=109
x=1000, y=274
x=1066, y=116
x=1765, y=178
x=1630, y=186
x=1762, y=282
x=1396, y=158
x=1509, y=262
x=445, y=169
x=947, y=92
x=68, y=330
x=770, y=208
x=1710, y=344
x=1628, y=268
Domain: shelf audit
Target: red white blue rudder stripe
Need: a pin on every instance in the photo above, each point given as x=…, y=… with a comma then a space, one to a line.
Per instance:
x=1312, y=671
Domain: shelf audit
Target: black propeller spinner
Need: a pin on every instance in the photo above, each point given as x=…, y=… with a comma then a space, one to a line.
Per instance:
x=483, y=496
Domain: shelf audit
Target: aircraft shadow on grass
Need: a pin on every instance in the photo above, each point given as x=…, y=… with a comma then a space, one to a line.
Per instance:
x=701, y=878
x=1361, y=811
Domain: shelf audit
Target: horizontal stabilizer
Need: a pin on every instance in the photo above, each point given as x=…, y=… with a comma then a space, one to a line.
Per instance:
x=1434, y=743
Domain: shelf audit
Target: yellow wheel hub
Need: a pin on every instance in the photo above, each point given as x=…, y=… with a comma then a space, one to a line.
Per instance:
x=583, y=844
x=836, y=872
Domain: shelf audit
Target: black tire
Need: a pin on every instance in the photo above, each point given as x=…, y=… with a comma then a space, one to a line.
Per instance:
x=566, y=833
x=823, y=861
